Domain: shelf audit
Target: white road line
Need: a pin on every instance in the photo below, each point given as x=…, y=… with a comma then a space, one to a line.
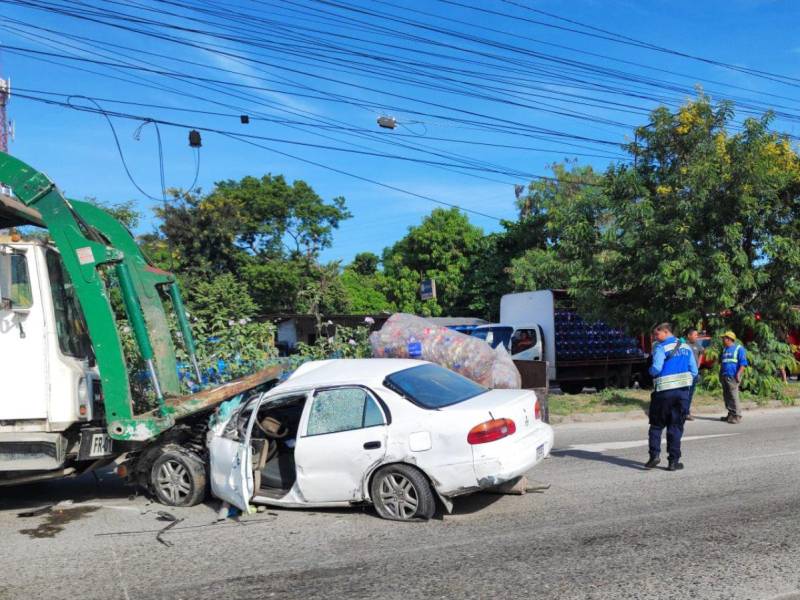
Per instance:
x=603, y=446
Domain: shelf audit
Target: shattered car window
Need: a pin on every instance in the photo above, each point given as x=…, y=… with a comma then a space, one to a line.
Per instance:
x=432, y=386
x=342, y=409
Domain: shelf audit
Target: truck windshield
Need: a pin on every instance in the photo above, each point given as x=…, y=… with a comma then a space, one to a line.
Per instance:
x=73, y=336
x=495, y=336
x=432, y=386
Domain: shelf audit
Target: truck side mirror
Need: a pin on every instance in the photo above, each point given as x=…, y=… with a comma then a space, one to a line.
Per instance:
x=20, y=310
x=5, y=304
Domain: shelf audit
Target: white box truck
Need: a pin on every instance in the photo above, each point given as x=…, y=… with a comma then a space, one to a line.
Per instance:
x=541, y=326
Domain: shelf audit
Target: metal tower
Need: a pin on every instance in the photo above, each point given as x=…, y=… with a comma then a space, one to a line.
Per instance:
x=5, y=93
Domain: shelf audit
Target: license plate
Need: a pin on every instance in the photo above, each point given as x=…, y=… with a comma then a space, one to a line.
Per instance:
x=540, y=452
x=100, y=445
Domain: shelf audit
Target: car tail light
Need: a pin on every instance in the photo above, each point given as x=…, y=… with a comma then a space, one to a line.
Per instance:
x=496, y=429
x=537, y=410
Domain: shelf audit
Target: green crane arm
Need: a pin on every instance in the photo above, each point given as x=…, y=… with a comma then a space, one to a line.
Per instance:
x=90, y=240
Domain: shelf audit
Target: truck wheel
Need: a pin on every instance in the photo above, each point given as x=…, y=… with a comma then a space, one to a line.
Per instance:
x=614, y=381
x=571, y=387
x=178, y=477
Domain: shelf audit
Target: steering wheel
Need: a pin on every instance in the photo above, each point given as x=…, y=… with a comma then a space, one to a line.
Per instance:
x=273, y=428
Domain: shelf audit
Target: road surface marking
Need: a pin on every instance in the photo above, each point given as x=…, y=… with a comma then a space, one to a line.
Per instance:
x=603, y=446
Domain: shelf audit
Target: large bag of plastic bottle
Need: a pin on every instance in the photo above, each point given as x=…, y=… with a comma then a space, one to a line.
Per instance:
x=409, y=336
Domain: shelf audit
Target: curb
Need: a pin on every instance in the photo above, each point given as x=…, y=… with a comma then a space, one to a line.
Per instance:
x=632, y=415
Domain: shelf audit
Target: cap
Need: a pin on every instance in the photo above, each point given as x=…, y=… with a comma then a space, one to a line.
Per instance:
x=729, y=334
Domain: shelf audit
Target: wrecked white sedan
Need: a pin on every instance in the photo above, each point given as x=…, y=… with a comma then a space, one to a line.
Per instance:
x=390, y=432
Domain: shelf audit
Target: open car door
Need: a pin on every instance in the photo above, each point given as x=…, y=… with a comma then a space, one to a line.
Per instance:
x=231, y=459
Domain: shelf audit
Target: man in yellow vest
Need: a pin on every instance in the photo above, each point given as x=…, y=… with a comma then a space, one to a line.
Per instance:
x=732, y=364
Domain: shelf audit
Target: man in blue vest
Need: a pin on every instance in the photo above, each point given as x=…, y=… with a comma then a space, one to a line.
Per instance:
x=732, y=364
x=674, y=370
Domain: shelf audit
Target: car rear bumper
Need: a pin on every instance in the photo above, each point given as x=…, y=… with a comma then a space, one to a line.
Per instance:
x=498, y=462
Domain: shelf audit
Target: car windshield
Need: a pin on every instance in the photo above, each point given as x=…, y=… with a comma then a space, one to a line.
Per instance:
x=432, y=386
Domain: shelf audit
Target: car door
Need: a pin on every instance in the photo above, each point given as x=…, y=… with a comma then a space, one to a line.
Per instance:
x=231, y=458
x=23, y=339
x=345, y=433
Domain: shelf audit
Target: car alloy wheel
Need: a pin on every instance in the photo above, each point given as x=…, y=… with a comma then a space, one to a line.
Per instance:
x=399, y=496
x=402, y=493
x=178, y=477
x=173, y=481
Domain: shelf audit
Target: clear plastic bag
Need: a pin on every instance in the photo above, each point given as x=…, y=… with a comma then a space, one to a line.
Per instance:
x=409, y=336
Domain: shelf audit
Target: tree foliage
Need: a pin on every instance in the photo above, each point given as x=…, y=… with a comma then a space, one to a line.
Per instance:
x=443, y=248
x=700, y=227
x=264, y=231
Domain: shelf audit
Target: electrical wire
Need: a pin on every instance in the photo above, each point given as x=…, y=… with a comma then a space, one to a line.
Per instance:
x=118, y=145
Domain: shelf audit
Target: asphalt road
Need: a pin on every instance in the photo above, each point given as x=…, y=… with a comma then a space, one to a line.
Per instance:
x=728, y=526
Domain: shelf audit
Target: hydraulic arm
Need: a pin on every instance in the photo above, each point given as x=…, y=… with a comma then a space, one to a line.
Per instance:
x=92, y=243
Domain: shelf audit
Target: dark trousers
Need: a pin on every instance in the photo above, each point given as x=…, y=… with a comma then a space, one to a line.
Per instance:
x=668, y=409
x=730, y=392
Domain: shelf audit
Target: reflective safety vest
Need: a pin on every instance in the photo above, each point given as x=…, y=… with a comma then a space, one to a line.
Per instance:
x=675, y=373
x=732, y=357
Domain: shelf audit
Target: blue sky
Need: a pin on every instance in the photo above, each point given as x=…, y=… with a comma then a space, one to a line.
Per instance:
x=283, y=60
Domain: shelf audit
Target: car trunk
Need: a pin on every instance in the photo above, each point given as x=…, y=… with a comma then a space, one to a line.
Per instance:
x=517, y=405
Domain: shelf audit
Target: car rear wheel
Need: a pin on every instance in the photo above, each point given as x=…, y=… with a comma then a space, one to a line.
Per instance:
x=402, y=493
x=178, y=477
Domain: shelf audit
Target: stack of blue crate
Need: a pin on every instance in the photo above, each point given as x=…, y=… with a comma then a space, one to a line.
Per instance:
x=577, y=339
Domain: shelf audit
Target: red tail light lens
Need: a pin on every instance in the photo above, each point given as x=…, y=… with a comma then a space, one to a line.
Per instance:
x=490, y=431
x=537, y=410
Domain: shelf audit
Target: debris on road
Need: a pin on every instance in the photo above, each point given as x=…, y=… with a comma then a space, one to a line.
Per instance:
x=165, y=516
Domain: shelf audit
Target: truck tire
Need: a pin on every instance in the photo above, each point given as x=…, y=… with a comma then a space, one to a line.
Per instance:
x=178, y=477
x=571, y=387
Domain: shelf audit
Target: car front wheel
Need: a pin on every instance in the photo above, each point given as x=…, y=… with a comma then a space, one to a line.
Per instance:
x=402, y=493
x=178, y=477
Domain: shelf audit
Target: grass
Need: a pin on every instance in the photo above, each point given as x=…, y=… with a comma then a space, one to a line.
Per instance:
x=611, y=401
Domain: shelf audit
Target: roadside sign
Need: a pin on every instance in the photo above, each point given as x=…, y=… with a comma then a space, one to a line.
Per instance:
x=427, y=289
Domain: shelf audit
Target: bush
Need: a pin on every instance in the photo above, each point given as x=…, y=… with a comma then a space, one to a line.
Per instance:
x=766, y=356
x=345, y=342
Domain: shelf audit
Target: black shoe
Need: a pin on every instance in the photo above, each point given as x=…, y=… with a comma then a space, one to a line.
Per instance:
x=653, y=462
x=690, y=417
x=674, y=465
x=725, y=418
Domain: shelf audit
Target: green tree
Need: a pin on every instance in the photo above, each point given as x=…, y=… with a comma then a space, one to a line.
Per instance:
x=124, y=212
x=222, y=316
x=567, y=214
x=490, y=274
x=264, y=231
x=443, y=247
x=702, y=225
x=365, y=263
x=365, y=285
